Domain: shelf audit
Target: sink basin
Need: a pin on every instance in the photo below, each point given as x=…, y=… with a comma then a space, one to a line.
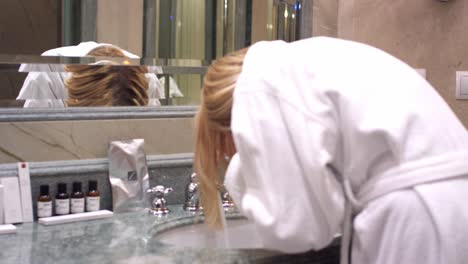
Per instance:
x=239, y=234
x=237, y=243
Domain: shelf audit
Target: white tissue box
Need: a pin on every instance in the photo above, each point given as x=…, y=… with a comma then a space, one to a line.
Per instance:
x=12, y=211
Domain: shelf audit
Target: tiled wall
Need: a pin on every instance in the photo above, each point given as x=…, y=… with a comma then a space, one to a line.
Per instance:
x=424, y=33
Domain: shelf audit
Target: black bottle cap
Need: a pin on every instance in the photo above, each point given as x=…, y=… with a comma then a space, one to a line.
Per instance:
x=62, y=187
x=44, y=190
x=76, y=187
x=92, y=185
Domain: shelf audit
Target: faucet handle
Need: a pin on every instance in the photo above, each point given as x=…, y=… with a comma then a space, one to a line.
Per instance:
x=159, y=191
x=158, y=205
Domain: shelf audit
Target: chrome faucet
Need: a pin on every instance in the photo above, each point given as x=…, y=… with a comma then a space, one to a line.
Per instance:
x=193, y=200
x=158, y=205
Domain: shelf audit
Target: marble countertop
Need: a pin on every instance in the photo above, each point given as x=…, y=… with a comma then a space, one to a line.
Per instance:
x=129, y=238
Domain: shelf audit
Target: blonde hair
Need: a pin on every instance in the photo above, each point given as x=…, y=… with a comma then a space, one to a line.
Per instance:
x=107, y=51
x=213, y=138
x=107, y=85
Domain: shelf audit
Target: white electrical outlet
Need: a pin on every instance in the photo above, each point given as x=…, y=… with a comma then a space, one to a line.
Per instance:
x=462, y=85
x=12, y=211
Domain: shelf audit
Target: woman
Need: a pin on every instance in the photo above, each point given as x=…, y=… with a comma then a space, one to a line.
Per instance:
x=325, y=136
x=45, y=84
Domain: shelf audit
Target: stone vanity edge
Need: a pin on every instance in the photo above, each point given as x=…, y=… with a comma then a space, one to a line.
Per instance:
x=95, y=113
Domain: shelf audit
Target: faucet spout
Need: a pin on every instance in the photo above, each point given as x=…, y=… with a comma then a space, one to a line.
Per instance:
x=192, y=196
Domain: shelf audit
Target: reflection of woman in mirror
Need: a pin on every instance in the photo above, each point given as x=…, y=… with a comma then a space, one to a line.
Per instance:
x=45, y=84
x=106, y=85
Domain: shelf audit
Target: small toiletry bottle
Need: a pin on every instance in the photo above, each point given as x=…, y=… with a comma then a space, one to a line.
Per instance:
x=77, y=199
x=92, y=197
x=44, y=202
x=62, y=200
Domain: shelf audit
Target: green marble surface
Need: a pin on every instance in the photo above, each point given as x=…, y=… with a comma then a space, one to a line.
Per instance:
x=130, y=238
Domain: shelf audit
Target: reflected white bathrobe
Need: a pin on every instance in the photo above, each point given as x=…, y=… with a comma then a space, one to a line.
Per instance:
x=313, y=118
x=45, y=84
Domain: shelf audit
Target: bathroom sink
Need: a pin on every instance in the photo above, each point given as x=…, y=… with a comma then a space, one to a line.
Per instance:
x=239, y=234
x=237, y=243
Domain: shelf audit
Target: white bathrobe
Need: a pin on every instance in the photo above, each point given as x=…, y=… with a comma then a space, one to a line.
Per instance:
x=323, y=124
x=45, y=84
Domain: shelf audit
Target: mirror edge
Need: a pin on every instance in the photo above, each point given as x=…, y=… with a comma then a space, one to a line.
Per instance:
x=95, y=113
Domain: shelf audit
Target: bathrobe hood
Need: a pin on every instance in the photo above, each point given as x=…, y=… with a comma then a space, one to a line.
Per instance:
x=307, y=113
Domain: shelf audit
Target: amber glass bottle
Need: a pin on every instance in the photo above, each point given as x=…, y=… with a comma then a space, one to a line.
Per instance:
x=44, y=202
x=92, y=197
x=77, y=199
x=62, y=200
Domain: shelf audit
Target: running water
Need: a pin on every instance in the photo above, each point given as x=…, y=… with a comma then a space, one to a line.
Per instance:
x=225, y=233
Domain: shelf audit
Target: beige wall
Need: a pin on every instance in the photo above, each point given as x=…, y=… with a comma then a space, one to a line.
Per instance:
x=325, y=18
x=120, y=22
x=424, y=33
x=74, y=140
x=262, y=29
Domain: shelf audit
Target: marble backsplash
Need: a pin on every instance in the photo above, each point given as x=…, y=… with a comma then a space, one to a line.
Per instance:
x=169, y=170
x=89, y=139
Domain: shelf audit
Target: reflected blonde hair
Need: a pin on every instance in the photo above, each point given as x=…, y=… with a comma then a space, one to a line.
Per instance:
x=107, y=85
x=213, y=138
x=107, y=51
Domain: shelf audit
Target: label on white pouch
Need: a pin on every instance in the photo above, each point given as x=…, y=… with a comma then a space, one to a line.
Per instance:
x=92, y=204
x=77, y=205
x=62, y=206
x=44, y=209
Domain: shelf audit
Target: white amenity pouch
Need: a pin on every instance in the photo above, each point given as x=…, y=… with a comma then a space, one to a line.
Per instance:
x=128, y=175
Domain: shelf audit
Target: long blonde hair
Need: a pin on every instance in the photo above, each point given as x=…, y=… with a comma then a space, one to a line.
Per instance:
x=107, y=85
x=213, y=138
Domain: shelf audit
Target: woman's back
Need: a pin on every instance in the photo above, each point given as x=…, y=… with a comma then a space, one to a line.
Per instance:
x=385, y=112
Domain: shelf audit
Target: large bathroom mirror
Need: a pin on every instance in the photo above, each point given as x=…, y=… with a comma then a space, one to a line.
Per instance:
x=59, y=56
